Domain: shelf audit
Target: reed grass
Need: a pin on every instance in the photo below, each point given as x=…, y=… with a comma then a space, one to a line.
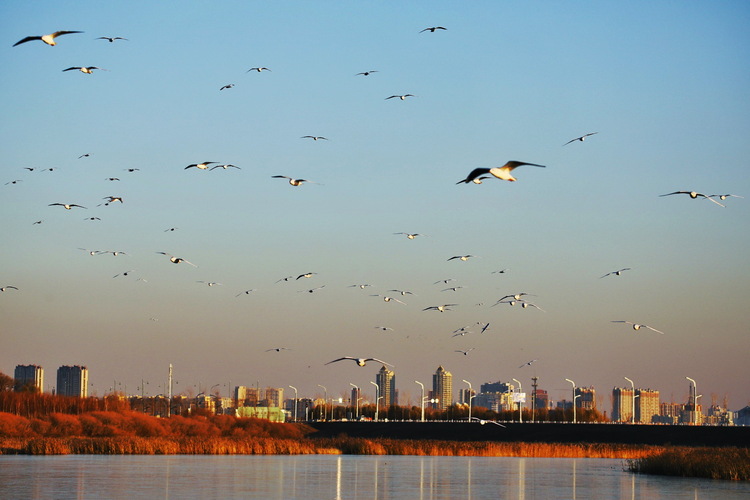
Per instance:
x=712, y=463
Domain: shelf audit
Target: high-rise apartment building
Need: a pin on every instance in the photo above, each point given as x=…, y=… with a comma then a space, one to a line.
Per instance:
x=73, y=381
x=274, y=396
x=247, y=396
x=646, y=405
x=442, y=388
x=586, y=398
x=386, y=381
x=622, y=404
x=29, y=376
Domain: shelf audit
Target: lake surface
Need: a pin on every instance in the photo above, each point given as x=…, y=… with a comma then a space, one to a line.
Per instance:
x=341, y=477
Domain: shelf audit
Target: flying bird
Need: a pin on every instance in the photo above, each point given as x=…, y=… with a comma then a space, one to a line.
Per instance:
x=132, y=169
x=311, y=290
x=306, y=275
x=411, y=236
x=84, y=156
x=462, y=257
x=112, y=199
x=112, y=179
x=582, y=138
x=637, y=326
x=694, y=195
x=257, y=69
x=176, y=260
x=314, y=137
x=433, y=28
x=110, y=38
x=482, y=422
x=8, y=287
x=171, y=229
x=485, y=328
x=247, y=292
x=278, y=349
x=525, y=304
x=501, y=271
x=723, y=197
x=115, y=253
x=452, y=289
x=402, y=292
x=503, y=173
x=85, y=69
x=615, y=273
x=202, y=166
x=48, y=39
x=123, y=273
x=466, y=352
x=402, y=97
x=209, y=283
x=285, y=279
x=293, y=182
x=67, y=206
x=387, y=298
x=361, y=286
x=225, y=166
x=528, y=363
x=359, y=361
x=227, y=86
x=92, y=218
x=384, y=328
x=440, y=308
x=13, y=182
x=367, y=73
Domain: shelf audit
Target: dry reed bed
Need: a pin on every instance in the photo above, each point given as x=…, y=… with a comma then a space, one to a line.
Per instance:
x=711, y=463
x=130, y=445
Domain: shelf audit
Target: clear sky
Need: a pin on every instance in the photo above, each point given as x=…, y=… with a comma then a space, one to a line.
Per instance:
x=666, y=86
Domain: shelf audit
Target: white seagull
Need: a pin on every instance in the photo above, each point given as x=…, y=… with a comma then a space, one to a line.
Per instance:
x=48, y=39
x=293, y=182
x=314, y=137
x=402, y=97
x=582, y=138
x=67, y=206
x=723, y=197
x=440, y=308
x=462, y=257
x=8, y=287
x=694, y=195
x=306, y=275
x=85, y=69
x=209, y=283
x=176, y=260
x=361, y=286
x=387, y=299
x=225, y=166
x=503, y=173
x=359, y=361
x=402, y=292
x=202, y=166
x=411, y=236
x=637, y=326
x=110, y=39
x=616, y=273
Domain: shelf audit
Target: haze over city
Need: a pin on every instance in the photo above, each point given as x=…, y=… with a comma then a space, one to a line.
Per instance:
x=663, y=86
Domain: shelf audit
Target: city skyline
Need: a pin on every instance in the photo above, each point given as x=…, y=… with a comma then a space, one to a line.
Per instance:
x=288, y=278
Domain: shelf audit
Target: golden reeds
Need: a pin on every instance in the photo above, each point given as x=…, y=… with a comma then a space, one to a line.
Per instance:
x=712, y=463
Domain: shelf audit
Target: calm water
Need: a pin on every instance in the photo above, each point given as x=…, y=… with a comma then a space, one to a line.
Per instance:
x=346, y=477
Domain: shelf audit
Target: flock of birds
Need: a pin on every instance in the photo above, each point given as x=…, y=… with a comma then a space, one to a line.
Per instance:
x=475, y=176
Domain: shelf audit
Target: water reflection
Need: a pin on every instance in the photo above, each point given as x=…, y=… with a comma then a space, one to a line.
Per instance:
x=340, y=477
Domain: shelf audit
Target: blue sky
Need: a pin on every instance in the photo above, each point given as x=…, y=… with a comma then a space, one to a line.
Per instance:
x=665, y=86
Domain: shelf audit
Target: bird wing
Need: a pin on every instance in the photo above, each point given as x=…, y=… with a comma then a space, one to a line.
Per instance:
x=513, y=164
x=341, y=359
x=72, y=68
x=58, y=33
x=27, y=39
x=654, y=329
x=378, y=360
x=474, y=174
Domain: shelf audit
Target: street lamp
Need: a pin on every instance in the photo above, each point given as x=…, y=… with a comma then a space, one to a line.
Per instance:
x=377, y=398
x=632, y=386
x=695, y=401
x=574, y=399
x=356, y=398
x=471, y=396
x=325, y=401
x=520, y=410
x=295, y=402
x=421, y=399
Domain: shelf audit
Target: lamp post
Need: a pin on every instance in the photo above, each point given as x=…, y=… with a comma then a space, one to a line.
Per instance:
x=574, y=399
x=632, y=386
x=520, y=408
x=695, y=401
x=377, y=398
x=295, y=402
x=325, y=401
x=356, y=401
x=471, y=396
x=421, y=399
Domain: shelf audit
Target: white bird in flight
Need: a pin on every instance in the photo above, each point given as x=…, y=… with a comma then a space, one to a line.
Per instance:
x=440, y=308
x=615, y=273
x=293, y=182
x=582, y=138
x=176, y=260
x=247, y=292
x=85, y=69
x=694, y=195
x=466, y=352
x=528, y=363
x=384, y=328
x=462, y=257
x=411, y=236
x=202, y=166
x=359, y=361
x=209, y=283
x=314, y=137
x=503, y=173
x=402, y=292
x=723, y=197
x=387, y=298
x=402, y=97
x=637, y=326
x=67, y=206
x=225, y=166
x=110, y=39
x=8, y=287
x=48, y=39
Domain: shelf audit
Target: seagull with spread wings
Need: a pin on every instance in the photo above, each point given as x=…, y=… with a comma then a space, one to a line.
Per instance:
x=48, y=39
x=503, y=173
x=637, y=326
x=359, y=361
x=582, y=138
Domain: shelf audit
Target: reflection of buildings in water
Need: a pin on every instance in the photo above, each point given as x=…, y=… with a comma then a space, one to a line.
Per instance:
x=521, y=478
